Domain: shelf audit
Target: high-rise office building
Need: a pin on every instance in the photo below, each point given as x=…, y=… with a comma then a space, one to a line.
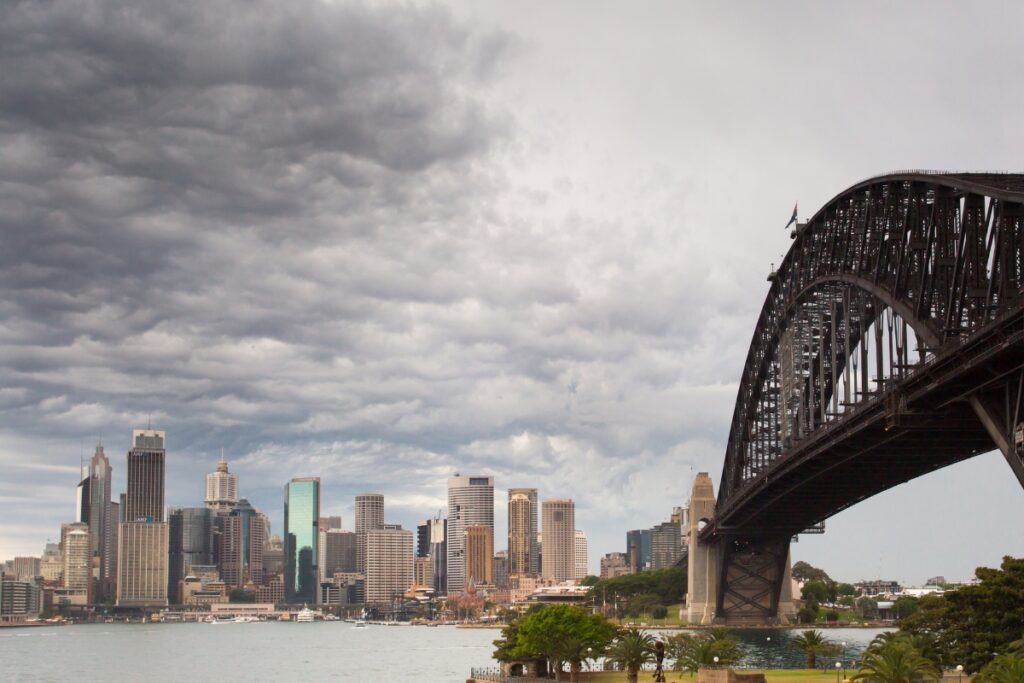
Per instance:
x=523, y=552
x=221, y=488
x=95, y=509
x=389, y=564
x=144, y=497
x=478, y=546
x=558, y=519
x=339, y=552
x=78, y=564
x=26, y=568
x=328, y=523
x=142, y=563
x=422, y=572
x=369, y=516
x=439, y=554
x=423, y=539
x=582, y=564
x=638, y=549
x=301, y=515
x=143, y=543
x=666, y=545
x=191, y=543
x=500, y=570
x=229, y=550
x=470, y=503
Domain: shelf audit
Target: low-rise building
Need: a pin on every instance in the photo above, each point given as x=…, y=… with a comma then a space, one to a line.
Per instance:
x=19, y=600
x=615, y=564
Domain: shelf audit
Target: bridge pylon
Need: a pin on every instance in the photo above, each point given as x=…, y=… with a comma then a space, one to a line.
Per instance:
x=734, y=580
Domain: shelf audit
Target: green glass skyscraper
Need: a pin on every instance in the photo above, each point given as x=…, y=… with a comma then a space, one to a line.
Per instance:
x=301, y=513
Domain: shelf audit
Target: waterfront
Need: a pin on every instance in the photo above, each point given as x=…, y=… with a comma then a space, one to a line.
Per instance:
x=313, y=652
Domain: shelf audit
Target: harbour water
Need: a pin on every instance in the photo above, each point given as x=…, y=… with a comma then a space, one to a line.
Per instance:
x=322, y=651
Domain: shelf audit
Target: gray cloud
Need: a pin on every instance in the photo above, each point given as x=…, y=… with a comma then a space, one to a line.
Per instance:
x=385, y=243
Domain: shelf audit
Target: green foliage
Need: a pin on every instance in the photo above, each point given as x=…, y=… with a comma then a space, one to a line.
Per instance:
x=808, y=614
x=662, y=586
x=972, y=622
x=689, y=652
x=866, y=607
x=1008, y=668
x=589, y=580
x=905, y=606
x=630, y=650
x=832, y=615
x=896, y=660
x=812, y=644
x=802, y=571
x=816, y=591
x=659, y=611
x=241, y=595
x=845, y=590
x=558, y=633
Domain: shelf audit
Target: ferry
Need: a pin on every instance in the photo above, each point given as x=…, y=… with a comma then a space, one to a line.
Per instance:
x=305, y=615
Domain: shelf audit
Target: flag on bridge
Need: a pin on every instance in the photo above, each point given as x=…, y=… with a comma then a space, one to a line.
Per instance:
x=793, y=219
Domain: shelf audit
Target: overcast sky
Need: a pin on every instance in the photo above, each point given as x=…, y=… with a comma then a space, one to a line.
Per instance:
x=384, y=243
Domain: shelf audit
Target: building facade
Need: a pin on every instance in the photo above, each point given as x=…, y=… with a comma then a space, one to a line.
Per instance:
x=479, y=553
x=369, y=516
x=523, y=550
x=582, y=563
x=221, y=488
x=615, y=564
x=559, y=534
x=439, y=554
x=301, y=514
x=638, y=549
x=142, y=564
x=143, y=543
x=190, y=539
x=339, y=552
x=389, y=564
x=666, y=545
x=470, y=503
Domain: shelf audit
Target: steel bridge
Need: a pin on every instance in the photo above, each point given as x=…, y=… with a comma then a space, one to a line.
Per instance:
x=891, y=343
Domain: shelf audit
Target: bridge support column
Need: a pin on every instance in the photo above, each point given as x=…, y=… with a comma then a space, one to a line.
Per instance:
x=995, y=424
x=702, y=567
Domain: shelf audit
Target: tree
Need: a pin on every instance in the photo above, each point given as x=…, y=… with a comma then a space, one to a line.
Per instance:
x=866, y=607
x=905, y=606
x=801, y=571
x=845, y=589
x=972, y=622
x=559, y=633
x=691, y=652
x=808, y=614
x=631, y=649
x=241, y=595
x=1008, y=668
x=812, y=644
x=896, y=661
x=815, y=590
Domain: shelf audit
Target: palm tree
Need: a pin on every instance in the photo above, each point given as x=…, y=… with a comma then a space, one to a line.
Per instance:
x=1003, y=669
x=574, y=650
x=896, y=661
x=631, y=650
x=812, y=644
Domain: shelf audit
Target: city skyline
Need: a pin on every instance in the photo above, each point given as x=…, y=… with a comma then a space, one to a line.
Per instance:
x=472, y=248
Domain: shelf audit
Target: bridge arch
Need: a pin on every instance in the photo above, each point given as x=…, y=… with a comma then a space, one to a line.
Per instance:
x=935, y=259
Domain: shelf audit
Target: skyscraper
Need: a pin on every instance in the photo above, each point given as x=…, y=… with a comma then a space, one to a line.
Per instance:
x=191, y=543
x=479, y=552
x=470, y=503
x=102, y=532
x=144, y=498
x=582, y=568
x=439, y=554
x=78, y=564
x=523, y=552
x=423, y=539
x=339, y=552
x=301, y=514
x=559, y=533
x=389, y=564
x=369, y=516
x=143, y=539
x=221, y=488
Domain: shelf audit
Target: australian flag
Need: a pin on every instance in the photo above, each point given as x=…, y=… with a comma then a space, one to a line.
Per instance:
x=793, y=219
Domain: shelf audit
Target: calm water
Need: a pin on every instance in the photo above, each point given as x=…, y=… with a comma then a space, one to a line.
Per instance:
x=321, y=651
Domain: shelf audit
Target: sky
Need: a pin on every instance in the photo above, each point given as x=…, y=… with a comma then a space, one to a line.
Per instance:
x=382, y=243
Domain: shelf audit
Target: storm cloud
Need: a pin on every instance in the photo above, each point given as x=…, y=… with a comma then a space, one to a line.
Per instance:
x=382, y=243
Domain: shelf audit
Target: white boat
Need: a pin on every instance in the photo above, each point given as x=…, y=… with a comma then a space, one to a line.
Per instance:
x=360, y=624
x=245, y=619
x=305, y=615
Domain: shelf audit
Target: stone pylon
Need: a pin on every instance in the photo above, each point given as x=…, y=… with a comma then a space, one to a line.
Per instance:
x=702, y=572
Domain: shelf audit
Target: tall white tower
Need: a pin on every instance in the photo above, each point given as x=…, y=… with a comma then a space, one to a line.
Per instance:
x=470, y=503
x=221, y=488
